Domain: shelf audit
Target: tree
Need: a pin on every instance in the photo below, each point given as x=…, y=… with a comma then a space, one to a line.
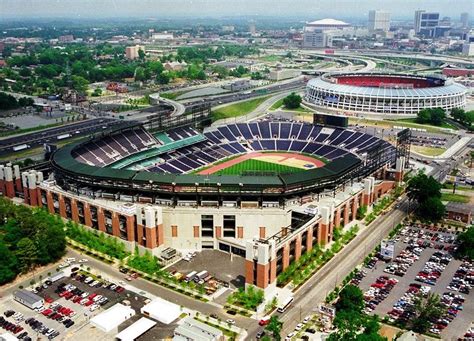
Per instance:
x=432, y=209
x=274, y=326
x=427, y=192
x=163, y=78
x=79, y=83
x=26, y=254
x=351, y=299
x=141, y=54
x=434, y=116
x=466, y=243
x=292, y=101
x=427, y=308
x=421, y=187
x=8, y=264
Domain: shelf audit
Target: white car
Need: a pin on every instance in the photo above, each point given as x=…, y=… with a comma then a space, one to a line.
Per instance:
x=88, y=279
x=289, y=336
x=306, y=319
x=97, y=298
x=84, y=295
x=230, y=321
x=64, y=265
x=83, y=260
x=84, y=301
x=94, y=307
x=299, y=326
x=94, y=283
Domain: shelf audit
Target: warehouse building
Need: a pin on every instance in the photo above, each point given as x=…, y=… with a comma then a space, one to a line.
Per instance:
x=27, y=298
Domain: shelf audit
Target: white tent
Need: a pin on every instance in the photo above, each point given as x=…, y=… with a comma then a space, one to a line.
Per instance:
x=112, y=317
x=162, y=310
x=136, y=330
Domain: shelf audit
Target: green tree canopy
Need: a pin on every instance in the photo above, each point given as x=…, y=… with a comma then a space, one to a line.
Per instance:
x=466, y=243
x=292, y=101
x=274, y=326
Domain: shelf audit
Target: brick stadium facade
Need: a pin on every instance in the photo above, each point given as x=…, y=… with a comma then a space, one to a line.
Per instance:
x=266, y=237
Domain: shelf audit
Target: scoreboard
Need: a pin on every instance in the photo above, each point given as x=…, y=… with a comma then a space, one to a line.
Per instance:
x=331, y=120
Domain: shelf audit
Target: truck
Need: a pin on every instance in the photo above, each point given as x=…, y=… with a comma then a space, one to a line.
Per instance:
x=190, y=276
x=20, y=147
x=56, y=277
x=63, y=136
x=201, y=276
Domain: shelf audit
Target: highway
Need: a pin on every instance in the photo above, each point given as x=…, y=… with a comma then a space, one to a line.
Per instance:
x=50, y=135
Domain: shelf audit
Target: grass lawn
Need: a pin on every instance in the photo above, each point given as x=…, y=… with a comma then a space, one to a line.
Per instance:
x=428, y=151
x=461, y=188
x=271, y=58
x=238, y=109
x=388, y=124
x=277, y=104
x=455, y=198
x=172, y=95
x=413, y=121
x=258, y=166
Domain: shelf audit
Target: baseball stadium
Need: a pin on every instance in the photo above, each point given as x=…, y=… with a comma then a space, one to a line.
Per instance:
x=384, y=93
x=267, y=190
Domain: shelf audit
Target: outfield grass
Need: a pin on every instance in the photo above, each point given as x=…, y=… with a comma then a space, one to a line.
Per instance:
x=253, y=165
x=428, y=151
x=238, y=109
x=455, y=198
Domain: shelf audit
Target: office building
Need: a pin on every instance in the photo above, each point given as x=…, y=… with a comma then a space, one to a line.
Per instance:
x=426, y=23
x=131, y=52
x=379, y=21
x=319, y=33
x=252, y=28
x=465, y=20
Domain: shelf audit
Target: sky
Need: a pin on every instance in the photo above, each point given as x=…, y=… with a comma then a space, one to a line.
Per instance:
x=357, y=9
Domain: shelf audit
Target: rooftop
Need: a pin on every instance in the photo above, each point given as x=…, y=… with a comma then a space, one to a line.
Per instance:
x=328, y=22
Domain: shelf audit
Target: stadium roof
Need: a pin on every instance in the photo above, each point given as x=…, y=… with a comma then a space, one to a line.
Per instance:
x=328, y=22
x=450, y=88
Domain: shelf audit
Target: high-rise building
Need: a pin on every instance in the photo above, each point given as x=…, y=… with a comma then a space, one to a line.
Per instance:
x=252, y=28
x=131, y=52
x=465, y=20
x=426, y=22
x=379, y=21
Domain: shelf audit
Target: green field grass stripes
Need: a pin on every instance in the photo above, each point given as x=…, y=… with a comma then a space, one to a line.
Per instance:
x=258, y=166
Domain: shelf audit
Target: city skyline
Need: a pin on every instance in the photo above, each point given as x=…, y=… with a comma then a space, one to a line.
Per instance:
x=90, y=9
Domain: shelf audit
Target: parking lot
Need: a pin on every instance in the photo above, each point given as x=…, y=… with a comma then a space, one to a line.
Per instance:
x=70, y=302
x=422, y=263
x=221, y=265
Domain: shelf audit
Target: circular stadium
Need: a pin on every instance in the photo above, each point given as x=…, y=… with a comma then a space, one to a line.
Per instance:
x=264, y=159
x=384, y=93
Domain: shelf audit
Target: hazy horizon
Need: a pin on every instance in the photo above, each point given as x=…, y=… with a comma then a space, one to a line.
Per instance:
x=122, y=9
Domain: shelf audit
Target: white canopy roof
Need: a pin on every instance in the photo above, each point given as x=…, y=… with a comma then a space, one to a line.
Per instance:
x=136, y=330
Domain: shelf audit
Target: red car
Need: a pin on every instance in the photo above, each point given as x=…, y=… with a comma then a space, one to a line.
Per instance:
x=119, y=289
x=91, y=296
x=77, y=299
x=64, y=293
x=88, y=303
x=48, y=299
x=46, y=312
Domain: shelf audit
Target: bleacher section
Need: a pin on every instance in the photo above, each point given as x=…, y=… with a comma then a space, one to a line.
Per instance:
x=115, y=147
x=188, y=150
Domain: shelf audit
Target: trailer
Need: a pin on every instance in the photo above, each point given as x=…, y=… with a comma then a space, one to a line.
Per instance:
x=21, y=147
x=63, y=136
